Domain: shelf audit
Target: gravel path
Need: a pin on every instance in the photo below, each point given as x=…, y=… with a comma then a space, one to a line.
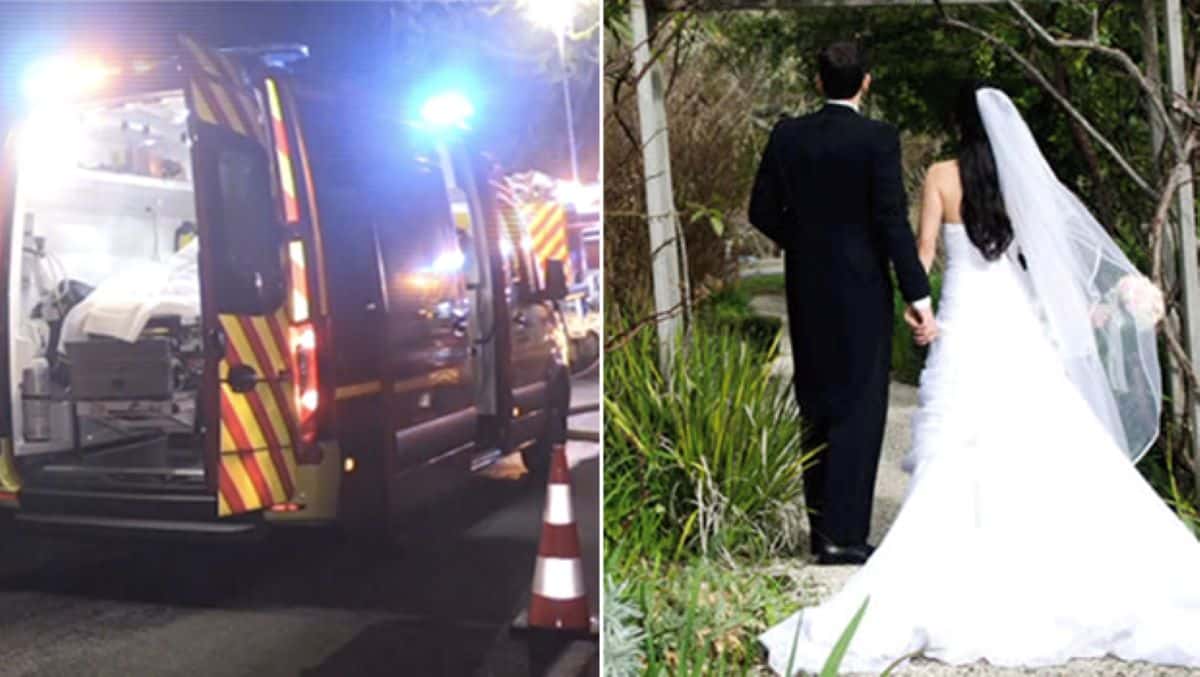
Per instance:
x=819, y=582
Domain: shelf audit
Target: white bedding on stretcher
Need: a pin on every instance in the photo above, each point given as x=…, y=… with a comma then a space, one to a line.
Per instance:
x=123, y=304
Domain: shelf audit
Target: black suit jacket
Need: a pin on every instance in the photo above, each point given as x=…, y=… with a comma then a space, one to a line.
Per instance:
x=829, y=192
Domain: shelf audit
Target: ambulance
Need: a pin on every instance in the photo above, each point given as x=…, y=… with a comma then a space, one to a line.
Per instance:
x=233, y=300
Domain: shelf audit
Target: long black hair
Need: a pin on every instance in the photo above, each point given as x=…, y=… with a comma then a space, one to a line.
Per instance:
x=982, y=205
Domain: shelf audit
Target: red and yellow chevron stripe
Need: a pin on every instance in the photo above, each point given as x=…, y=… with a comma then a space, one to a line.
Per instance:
x=283, y=156
x=548, y=230
x=217, y=95
x=256, y=464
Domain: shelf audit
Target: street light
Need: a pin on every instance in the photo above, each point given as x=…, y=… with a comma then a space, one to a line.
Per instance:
x=558, y=16
x=554, y=15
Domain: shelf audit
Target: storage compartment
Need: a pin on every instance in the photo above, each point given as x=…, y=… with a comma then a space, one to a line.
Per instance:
x=105, y=344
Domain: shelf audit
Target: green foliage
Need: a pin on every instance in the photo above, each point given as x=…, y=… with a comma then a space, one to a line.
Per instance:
x=727, y=305
x=703, y=617
x=729, y=309
x=706, y=462
x=830, y=669
x=759, y=285
x=623, y=635
x=908, y=359
x=715, y=218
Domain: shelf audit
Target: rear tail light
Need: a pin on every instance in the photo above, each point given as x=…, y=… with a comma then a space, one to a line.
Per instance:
x=286, y=507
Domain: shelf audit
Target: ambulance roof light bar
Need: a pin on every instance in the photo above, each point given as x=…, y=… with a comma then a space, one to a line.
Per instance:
x=278, y=55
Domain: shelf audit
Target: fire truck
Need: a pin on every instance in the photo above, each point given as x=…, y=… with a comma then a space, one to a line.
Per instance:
x=234, y=300
x=557, y=220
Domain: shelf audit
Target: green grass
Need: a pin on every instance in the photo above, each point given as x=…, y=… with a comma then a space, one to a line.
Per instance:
x=758, y=285
x=703, y=617
x=706, y=462
x=729, y=309
x=702, y=472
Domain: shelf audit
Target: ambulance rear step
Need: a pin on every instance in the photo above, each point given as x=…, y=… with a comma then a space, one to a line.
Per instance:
x=149, y=513
x=169, y=479
x=114, y=526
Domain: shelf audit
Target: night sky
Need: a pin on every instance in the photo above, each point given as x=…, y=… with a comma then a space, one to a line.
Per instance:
x=400, y=47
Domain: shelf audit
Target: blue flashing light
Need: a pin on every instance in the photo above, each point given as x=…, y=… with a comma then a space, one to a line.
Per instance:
x=447, y=110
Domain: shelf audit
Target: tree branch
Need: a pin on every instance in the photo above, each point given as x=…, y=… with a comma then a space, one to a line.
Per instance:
x=620, y=340
x=1067, y=106
x=1113, y=53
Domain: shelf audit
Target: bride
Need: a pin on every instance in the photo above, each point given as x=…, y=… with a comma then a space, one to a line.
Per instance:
x=1027, y=537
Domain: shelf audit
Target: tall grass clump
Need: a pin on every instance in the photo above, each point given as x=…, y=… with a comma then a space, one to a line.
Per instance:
x=623, y=634
x=708, y=461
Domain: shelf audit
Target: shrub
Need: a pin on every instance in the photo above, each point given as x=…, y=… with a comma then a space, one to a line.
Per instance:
x=707, y=461
x=623, y=636
x=704, y=617
x=770, y=283
x=728, y=309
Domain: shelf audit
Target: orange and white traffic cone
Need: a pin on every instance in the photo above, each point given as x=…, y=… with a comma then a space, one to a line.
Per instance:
x=559, y=598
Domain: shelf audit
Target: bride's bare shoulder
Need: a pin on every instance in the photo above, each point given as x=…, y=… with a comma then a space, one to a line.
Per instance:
x=944, y=172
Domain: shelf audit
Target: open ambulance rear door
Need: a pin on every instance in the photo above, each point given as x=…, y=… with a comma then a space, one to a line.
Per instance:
x=247, y=401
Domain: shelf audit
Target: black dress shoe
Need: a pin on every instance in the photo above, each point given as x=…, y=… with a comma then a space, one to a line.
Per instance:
x=828, y=553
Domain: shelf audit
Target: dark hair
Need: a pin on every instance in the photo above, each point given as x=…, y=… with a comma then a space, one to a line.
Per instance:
x=983, y=210
x=842, y=65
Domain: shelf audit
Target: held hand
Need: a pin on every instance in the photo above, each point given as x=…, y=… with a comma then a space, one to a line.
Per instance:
x=922, y=324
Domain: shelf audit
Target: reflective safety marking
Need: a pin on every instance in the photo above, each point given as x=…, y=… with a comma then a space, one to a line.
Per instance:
x=558, y=578
x=299, y=277
x=219, y=94
x=203, y=110
x=257, y=462
x=9, y=480
x=558, y=505
x=314, y=217
x=283, y=155
x=358, y=390
x=548, y=232
x=485, y=460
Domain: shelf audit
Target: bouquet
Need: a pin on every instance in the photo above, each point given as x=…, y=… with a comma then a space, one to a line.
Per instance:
x=1142, y=300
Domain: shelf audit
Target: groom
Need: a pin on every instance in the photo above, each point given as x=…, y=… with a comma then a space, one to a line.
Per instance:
x=829, y=193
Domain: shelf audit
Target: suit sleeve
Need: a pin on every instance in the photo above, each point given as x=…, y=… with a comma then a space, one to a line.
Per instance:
x=889, y=206
x=768, y=203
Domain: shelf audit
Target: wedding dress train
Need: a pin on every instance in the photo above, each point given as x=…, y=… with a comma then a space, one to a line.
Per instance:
x=1028, y=537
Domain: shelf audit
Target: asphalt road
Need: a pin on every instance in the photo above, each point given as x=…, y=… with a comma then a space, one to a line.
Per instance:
x=302, y=603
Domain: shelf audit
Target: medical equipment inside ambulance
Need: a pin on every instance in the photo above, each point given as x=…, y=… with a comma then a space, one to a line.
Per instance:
x=104, y=290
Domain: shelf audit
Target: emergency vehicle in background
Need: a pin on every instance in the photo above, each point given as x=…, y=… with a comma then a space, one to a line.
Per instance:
x=231, y=299
x=555, y=220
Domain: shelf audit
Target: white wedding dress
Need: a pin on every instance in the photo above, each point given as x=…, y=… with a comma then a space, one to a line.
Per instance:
x=1028, y=537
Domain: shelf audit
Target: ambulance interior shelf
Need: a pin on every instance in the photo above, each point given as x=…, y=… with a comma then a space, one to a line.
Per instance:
x=105, y=342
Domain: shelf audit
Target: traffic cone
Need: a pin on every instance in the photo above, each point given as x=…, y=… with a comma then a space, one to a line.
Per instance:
x=559, y=599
